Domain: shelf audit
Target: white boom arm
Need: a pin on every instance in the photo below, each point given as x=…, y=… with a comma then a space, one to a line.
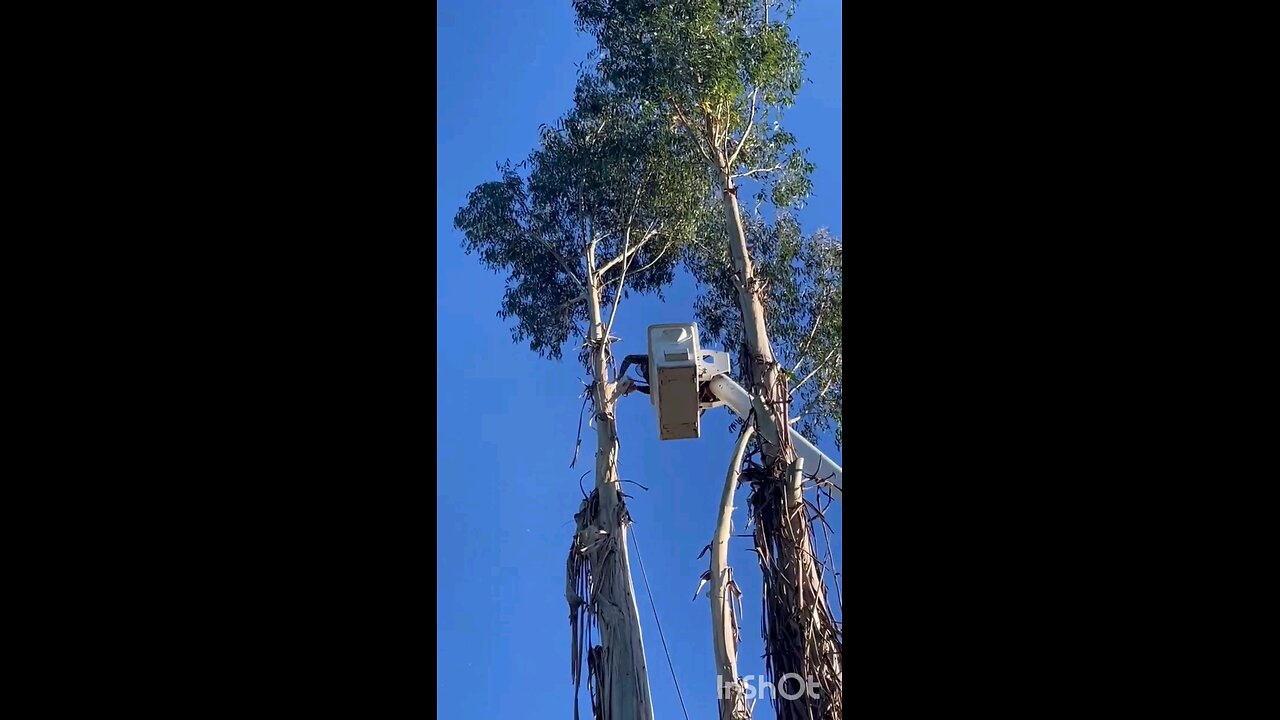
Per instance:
x=815, y=461
x=678, y=367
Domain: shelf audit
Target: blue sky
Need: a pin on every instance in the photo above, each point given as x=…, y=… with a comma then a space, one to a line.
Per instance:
x=507, y=419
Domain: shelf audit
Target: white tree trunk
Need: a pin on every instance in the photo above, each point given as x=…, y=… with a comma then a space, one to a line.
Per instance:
x=724, y=628
x=623, y=681
x=801, y=597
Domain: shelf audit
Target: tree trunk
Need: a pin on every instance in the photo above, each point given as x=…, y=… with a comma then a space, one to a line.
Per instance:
x=621, y=673
x=800, y=637
x=724, y=628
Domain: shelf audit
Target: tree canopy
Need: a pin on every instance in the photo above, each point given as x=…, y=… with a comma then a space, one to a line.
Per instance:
x=607, y=180
x=723, y=71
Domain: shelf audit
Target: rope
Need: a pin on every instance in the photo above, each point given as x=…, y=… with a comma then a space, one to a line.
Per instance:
x=661, y=637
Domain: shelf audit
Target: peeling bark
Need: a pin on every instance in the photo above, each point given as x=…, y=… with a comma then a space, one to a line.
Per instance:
x=801, y=636
x=621, y=683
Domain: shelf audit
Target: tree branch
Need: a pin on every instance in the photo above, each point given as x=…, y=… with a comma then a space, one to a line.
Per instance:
x=582, y=296
x=751, y=121
x=722, y=126
x=551, y=248
x=654, y=261
x=709, y=123
x=689, y=127
x=622, y=278
x=804, y=346
x=749, y=173
x=609, y=265
x=560, y=259
x=597, y=130
x=635, y=204
x=812, y=402
x=589, y=239
x=816, y=368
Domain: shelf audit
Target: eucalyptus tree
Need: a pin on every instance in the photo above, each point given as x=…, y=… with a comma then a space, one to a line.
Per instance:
x=600, y=211
x=801, y=277
x=801, y=282
x=723, y=71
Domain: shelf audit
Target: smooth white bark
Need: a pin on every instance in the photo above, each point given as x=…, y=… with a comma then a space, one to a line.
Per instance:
x=733, y=703
x=625, y=687
x=802, y=591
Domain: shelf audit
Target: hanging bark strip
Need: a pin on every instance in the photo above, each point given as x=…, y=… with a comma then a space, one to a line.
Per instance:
x=599, y=591
x=723, y=72
x=800, y=633
x=600, y=182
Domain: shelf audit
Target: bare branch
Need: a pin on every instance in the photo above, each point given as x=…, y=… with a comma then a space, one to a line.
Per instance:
x=560, y=259
x=689, y=127
x=592, y=278
x=816, y=368
x=551, y=249
x=627, y=253
x=751, y=121
x=709, y=122
x=808, y=409
x=804, y=346
x=722, y=123
x=635, y=206
x=651, y=233
x=622, y=278
x=654, y=261
x=597, y=130
x=749, y=173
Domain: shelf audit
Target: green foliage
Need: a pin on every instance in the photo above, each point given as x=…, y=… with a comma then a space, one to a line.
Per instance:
x=803, y=300
x=721, y=69
x=605, y=180
x=500, y=228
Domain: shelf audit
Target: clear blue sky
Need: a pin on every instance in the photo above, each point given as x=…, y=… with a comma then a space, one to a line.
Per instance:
x=507, y=419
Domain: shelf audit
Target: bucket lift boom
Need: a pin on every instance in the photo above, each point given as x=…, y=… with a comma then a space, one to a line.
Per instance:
x=684, y=380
